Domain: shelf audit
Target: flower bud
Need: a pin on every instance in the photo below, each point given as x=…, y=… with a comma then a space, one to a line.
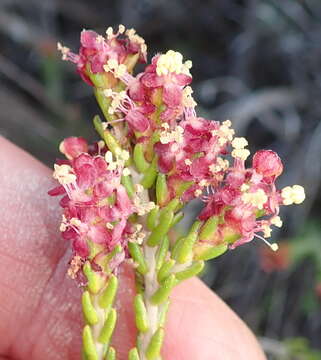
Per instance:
x=72, y=147
x=267, y=163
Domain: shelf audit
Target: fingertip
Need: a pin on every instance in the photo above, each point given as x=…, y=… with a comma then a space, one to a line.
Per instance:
x=202, y=327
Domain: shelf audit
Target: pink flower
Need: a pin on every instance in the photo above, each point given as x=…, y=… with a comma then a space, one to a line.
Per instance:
x=73, y=147
x=137, y=120
x=167, y=71
x=95, y=50
x=96, y=205
x=243, y=196
x=267, y=163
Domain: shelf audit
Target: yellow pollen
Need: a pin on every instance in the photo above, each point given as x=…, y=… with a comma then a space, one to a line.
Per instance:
x=124, y=155
x=109, y=32
x=109, y=226
x=198, y=192
x=239, y=143
x=276, y=220
x=143, y=207
x=117, y=69
x=138, y=235
x=172, y=62
x=242, y=154
x=75, y=222
x=275, y=247
x=75, y=266
x=221, y=164
x=121, y=157
x=100, y=39
x=120, y=71
x=63, y=225
x=121, y=29
x=188, y=64
x=293, y=195
x=63, y=173
x=214, y=168
x=224, y=133
x=176, y=135
x=188, y=100
x=245, y=187
x=203, y=183
x=101, y=144
x=267, y=231
x=257, y=199
x=109, y=156
x=108, y=92
x=227, y=123
x=165, y=126
x=135, y=38
x=64, y=50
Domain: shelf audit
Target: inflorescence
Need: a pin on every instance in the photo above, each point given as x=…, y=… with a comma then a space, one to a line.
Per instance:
x=155, y=151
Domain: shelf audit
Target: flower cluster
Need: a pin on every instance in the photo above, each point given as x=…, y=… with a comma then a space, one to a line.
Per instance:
x=198, y=157
x=96, y=205
x=118, y=51
x=123, y=195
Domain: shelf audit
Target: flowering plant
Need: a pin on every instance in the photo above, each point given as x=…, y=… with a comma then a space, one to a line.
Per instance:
x=123, y=194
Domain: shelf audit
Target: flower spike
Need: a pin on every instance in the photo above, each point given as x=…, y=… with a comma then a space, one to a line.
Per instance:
x=123, y=195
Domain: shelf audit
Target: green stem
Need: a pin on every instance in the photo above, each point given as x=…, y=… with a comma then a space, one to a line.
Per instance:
x=146, y=340
x=156, y=270
x=100, y=318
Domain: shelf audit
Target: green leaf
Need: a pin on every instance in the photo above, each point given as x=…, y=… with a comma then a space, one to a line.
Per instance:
x=161, y=229
x=164, y=290
x=150, y=175
x=111, y=354
x=209, y=252
x=140, y=313
x=161, y=189
x=88, y=309
x=95, y=281
x=165, y=270
x=163, y=313
x=173, y=205
x=177, y=218
x=177, y=245
x=209, y=228
x=106, y=299
x=162, y=252
x=155, y=345
x=183, y=187
x=133, y=354
x=127, y=181
x=184, y=252
x=89, y=344
x=152, y=218
x=193, y=270
x=139, y=158
x=111, y=142
x=108, y=328
x=138, y=256
x=139, y=283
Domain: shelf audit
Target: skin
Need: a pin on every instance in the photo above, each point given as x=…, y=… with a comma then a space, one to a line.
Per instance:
x=40, y=306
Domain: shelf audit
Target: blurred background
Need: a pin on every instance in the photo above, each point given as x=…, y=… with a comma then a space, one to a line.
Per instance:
x=256, y=62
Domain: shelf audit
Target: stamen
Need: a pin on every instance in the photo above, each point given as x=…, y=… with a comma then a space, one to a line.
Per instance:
x=273, y=246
